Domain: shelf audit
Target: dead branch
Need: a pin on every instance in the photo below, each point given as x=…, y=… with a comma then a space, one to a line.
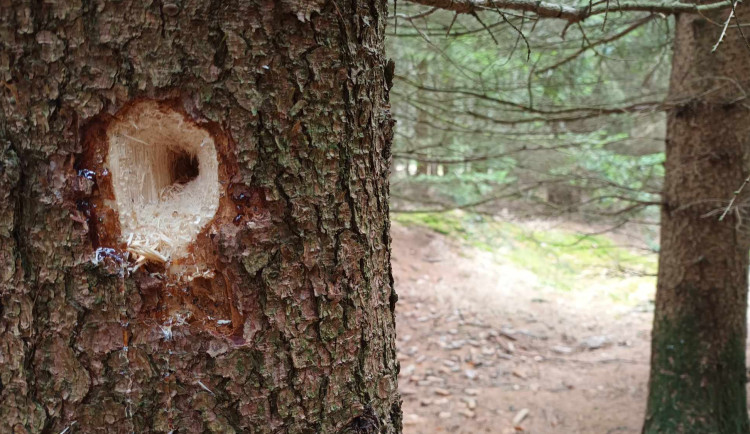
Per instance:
x=571, y=13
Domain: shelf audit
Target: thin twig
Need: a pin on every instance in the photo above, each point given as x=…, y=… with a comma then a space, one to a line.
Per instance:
x=724, y=30
x=520, y=33
x=734, y=198
x=591, y=46
x=453, y=21
x=475, y=15
x=739, y=26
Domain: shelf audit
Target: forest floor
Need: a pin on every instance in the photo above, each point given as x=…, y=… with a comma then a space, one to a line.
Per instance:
x=488, y=344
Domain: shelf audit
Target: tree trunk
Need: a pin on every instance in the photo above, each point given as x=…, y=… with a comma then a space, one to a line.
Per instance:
x=697, y=382
x=271, y=310
x=421, y=126
x=422, y=168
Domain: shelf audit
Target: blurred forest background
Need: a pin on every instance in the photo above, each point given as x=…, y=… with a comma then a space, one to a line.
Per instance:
x=527, y=171
x=539, y=117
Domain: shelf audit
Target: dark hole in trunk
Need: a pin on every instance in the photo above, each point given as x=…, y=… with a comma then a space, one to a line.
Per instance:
x=183, y=167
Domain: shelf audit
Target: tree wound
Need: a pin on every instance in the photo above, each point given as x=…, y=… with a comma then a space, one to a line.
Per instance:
x=165, y=178
x=154, y=191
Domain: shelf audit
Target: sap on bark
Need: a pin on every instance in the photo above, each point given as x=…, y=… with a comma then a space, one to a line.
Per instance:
x=165, y=179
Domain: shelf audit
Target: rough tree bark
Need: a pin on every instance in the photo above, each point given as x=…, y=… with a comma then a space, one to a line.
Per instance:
x=697, y=382
x=299, y=251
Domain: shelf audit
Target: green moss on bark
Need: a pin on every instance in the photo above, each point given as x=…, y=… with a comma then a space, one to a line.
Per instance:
x=696, y=387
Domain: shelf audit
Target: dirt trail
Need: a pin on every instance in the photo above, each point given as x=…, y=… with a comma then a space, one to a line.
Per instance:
x=480, y=346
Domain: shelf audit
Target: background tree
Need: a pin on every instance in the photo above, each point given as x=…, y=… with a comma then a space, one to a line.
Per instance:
x=287, y=323
x=698, y=378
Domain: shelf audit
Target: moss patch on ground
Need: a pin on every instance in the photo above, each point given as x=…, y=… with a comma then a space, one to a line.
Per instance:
x=562, y=259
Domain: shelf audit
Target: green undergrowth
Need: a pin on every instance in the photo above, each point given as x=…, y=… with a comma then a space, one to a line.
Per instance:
x=560, y=259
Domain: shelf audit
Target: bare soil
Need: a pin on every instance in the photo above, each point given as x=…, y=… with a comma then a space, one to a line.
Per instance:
x=484, y=350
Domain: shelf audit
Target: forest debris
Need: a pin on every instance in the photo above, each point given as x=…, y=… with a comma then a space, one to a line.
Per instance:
x=595, y=342
x=467, y=413
x=442, y=392
x=407, y=391
x=435, y=379
x=519, y=417
x=532, y=335
x=412, y=419
x=561, y=349
x=408, y=371
x=508, y=334
x=449, y=363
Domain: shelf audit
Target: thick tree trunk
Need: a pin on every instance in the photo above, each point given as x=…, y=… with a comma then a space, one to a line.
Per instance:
x=697, y=382
x=286, y=324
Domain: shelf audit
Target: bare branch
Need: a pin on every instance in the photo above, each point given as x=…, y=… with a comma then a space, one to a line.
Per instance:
x=614, y=37
x=724, y=32
x=486, y=28
x=564, y=114
x=571, y=13
x=419, y=15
